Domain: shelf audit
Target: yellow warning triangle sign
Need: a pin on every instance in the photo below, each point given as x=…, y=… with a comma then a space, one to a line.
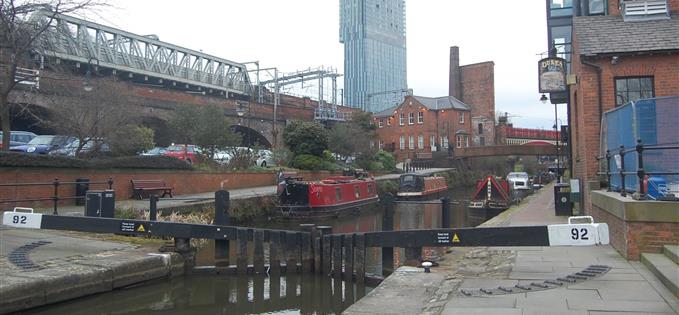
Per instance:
x=141, y=229
x=455, y=238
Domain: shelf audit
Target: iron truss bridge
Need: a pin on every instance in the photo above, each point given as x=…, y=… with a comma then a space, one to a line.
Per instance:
x=81, y=41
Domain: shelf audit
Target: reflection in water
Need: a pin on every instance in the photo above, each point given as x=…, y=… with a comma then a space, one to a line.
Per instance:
x=292, y=294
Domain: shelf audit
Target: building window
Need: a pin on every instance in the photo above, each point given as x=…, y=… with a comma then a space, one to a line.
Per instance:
x=632, y=89
x=400, y=119
x=381, y=123
x=402, y=142
x=462, y=117
x=480, y=129
x=411, y=118
x=466, y=141
x=420, y=142
x=432, y=143
x=411, y=142
x=420, y=117
x=459, y=141
x=444, y=142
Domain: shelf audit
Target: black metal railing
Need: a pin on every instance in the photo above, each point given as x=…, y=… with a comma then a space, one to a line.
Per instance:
x=641, y=172
x=55, y=198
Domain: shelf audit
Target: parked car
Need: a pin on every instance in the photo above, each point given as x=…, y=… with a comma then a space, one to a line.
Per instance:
x=225, y=156
x=265, y=158
x=17, y=138
x=184, y=152
x=87, y=150
x=519, y=180
x=154, y=152
x=43, y=144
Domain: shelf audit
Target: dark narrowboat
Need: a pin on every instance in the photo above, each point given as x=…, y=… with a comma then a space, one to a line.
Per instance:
x=325, y=198
x=491, y=197
x=415, y=186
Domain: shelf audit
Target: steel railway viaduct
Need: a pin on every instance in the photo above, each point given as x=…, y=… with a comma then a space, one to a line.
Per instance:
x=157, y=77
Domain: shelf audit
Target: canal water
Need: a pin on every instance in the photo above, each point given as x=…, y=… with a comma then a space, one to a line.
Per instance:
x=253, y=294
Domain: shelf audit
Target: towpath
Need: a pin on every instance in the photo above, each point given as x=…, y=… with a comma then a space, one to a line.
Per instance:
x=628, y=288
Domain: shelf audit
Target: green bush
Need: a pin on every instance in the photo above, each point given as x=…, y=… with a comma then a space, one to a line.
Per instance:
x=387, y=159
x=312, y=162
x=16, y=159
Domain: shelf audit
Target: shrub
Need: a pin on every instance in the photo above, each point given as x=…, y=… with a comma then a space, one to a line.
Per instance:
x=386, y=159
x=16, y=159
x=312, y=162
x=129, y=141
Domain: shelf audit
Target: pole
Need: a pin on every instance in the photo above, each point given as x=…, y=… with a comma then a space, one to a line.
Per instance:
x=558, y=160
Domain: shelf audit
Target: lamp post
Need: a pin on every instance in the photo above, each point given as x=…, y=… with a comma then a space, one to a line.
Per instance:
x=544, y=99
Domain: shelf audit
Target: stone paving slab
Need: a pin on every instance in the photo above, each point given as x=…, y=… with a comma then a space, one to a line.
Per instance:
x=619, y=305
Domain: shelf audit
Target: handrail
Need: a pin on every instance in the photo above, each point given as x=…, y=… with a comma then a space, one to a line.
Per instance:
x=641, y=173
x=55, y=196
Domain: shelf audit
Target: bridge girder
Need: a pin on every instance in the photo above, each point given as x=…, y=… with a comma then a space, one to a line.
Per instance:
x=78, y=40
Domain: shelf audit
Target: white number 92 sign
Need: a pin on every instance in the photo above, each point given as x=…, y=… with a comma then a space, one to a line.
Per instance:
x=578, y=234
x=22, y=218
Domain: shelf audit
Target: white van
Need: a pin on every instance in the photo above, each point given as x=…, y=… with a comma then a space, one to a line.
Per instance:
x=519, y=180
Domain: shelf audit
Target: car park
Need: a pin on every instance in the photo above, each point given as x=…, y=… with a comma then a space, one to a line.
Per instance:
x=225, y=156
x=43, y=144
x=17, y=138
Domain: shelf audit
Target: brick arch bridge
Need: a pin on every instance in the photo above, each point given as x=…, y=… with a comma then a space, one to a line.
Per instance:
x=155, y=104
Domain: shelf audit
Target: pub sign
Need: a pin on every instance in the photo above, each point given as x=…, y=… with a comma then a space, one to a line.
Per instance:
x=552, y=75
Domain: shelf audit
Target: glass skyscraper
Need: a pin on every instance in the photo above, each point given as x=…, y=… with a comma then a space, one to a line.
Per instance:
x=373, y=34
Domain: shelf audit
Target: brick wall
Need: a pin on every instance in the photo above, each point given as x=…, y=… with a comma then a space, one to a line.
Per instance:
x=184, y=182
x=478, y=91
x=632, y=238
x=613, y=6
x=585, y=103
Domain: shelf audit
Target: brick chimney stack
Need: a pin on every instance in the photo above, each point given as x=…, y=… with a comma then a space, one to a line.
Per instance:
x=454, y=80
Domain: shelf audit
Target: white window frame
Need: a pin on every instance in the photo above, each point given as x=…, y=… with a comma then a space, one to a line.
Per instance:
x=381, y=123
x=432, y=143
x=402, y=142
x=411, y=142
x=411, y=118
x=420, y=117
x=461, y=117
x=458, y=141
x=401, y=119
x=420, y=142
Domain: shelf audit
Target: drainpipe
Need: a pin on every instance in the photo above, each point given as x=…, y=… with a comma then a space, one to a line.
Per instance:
x=600, y=97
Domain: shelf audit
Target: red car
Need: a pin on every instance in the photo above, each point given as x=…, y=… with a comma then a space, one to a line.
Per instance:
x=184, y=152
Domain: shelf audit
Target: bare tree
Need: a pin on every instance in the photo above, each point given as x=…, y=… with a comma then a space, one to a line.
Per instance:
x=94, y=115
x=19, y=34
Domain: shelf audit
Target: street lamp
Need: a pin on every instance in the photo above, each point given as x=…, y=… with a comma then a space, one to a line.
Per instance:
x=544, y=99
x=240, y=111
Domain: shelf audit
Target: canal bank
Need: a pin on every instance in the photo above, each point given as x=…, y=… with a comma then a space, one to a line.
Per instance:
x=69, y=265
x=40, y=267
x=628, y=287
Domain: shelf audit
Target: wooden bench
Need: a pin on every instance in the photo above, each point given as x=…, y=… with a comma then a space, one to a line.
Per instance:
x=141, y=185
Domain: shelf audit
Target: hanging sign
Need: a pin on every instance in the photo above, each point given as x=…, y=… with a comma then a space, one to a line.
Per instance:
x=552, y=75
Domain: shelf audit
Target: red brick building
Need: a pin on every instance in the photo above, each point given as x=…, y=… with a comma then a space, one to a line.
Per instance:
x=474, y=84
x=617, y=58
x=423, y=125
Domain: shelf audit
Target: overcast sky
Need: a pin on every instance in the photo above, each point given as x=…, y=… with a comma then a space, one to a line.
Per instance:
x=299, y=34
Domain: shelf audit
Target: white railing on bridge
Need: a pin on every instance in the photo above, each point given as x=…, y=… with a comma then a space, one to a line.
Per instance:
x=27, y=77
x=78, y=40
x=330, y=114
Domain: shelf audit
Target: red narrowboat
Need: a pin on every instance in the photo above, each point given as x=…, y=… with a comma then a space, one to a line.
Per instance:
x=414, y=186
x=327, y=197
x=491, y=197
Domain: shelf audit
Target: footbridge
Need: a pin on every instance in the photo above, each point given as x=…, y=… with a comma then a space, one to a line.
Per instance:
x=496, y=150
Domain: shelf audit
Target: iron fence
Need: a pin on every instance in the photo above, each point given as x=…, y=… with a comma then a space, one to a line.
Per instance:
x=55, y=198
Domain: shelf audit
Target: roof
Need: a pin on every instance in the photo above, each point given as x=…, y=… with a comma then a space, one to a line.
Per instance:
x=386, y=112
x=610, y=34
x=443, y=102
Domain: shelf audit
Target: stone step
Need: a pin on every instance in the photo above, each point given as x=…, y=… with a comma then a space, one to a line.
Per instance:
x=664, y=268
x=672, y=252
